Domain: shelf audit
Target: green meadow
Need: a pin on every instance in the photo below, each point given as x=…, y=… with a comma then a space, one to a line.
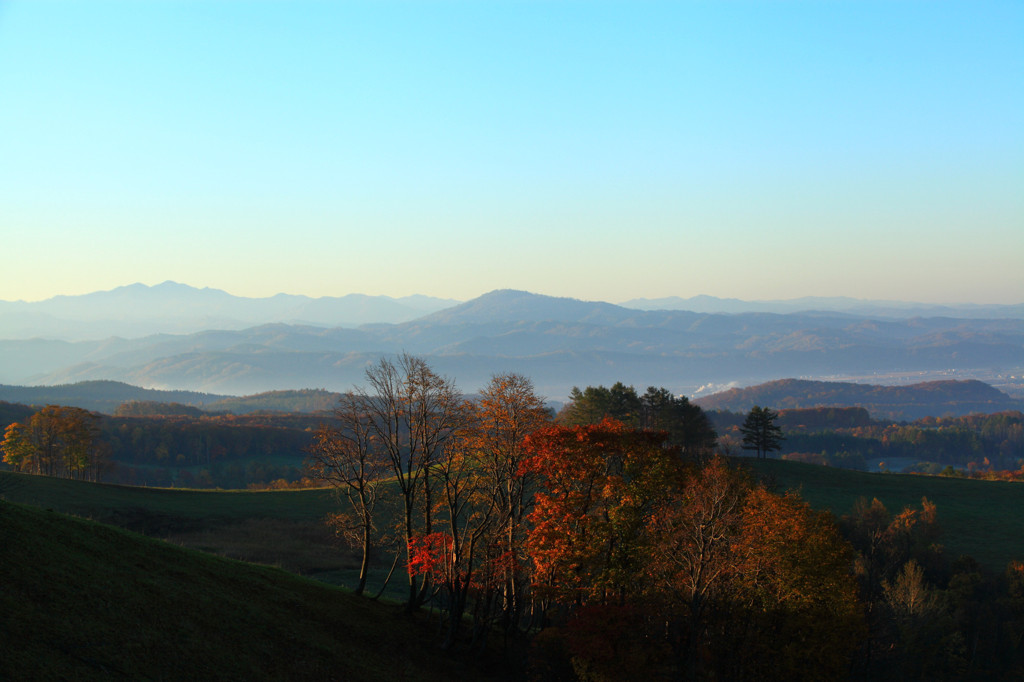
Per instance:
x=83, y=599
x=982, y=519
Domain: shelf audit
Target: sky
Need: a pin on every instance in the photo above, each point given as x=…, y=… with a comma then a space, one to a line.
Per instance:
x=597, y=150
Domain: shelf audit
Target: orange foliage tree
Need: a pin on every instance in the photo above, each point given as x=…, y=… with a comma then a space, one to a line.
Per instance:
x=482, y=501
x=793, y=584
x=598, y=483
x=507, y=412
x=721, y=578
x=57, y=441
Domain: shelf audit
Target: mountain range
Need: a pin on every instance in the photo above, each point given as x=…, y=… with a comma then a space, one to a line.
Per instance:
x=835, y=304
x=138, y=310
x=558, y=342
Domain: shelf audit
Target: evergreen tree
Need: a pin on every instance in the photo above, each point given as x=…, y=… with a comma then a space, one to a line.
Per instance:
x=760, y=432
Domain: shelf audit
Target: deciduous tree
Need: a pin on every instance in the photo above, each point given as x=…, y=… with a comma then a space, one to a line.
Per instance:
x=598, y=483
x=349, y=456
x=507, y=412
x=57, y=441
x=793, y=583
x=412, y=412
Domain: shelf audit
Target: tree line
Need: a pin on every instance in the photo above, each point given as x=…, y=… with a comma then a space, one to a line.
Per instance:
x=57, y=441
x=977, y=443
x=152, y=447
x=620, y=544
x=617, y=541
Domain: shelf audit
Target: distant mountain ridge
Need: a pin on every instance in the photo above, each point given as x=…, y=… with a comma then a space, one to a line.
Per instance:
x=835, y=304
x=926, y=399
x=137, y=310
x=510, y=305
x=558, y=342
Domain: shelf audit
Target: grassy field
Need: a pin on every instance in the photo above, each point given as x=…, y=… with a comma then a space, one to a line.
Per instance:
x=281, y=528
x=983, y=519
x=86, y=601
x=165, y=509
x=82, y=600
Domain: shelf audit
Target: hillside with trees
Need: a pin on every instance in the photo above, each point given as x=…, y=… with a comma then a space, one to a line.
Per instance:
x=609, y=540
x=927, y=399
x=100, y=395
x=160, y=444
x=985, y=445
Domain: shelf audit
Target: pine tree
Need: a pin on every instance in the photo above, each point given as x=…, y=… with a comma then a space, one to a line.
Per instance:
x=760, y=432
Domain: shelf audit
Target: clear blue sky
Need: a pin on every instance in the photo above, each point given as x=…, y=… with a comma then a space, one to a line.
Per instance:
x=597, y=150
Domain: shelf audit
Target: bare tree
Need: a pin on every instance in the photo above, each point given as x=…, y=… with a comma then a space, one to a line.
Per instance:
x=348, y=457
x=412, y=413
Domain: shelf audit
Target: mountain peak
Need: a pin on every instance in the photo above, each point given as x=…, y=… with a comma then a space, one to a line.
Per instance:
x=512, y=305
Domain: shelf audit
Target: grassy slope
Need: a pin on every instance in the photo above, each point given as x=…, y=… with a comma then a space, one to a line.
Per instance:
x=156, y=509
x=283, y=528
x=984, y=519
x=81, y=601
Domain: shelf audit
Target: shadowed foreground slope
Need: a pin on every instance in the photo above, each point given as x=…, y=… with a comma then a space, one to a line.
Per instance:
x=81, y=600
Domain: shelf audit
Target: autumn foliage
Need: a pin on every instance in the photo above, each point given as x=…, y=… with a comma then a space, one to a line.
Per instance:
x=731, y=579
x=57, y=441
x=622, y=552
x=598, y=483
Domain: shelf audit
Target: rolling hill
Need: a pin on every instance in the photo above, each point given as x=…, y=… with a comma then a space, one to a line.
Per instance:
x=100, y=395
x=934, y=398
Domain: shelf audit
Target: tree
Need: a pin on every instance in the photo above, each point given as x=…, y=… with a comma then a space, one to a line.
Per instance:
x=760, y=432
x=686, y=424
x=482, y=502
x=598, y=484
x=595, y=403
x=350, y=458
x=57, y=441
x=691, y=561
x=412, y=413
x=656, y=410
x=507, y=412
x=793, y=590
x=720, y=578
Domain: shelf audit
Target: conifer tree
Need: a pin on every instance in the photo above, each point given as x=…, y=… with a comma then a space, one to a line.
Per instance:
x=760, y=432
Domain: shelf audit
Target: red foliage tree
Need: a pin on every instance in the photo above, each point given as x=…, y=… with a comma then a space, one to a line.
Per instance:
x=598, y=484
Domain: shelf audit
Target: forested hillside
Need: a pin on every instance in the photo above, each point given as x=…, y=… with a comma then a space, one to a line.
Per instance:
x=928, y=399
x=100, y=395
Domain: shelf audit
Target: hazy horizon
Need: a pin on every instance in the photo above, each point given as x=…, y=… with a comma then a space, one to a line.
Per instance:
x=618, y=301
x=603, y=151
